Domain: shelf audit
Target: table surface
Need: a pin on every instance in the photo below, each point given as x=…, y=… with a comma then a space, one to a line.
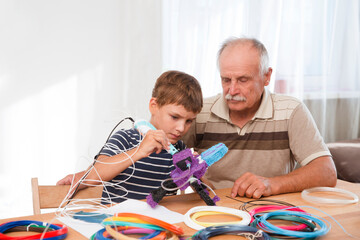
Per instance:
x=347, y=215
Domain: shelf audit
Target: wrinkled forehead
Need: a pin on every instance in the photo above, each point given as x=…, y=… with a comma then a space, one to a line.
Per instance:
x=239, y=61
x=239, y=54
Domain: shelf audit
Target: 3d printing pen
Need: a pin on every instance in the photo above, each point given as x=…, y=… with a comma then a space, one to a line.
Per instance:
x=144, y=126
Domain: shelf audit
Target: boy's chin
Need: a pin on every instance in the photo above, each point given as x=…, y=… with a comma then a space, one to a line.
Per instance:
x=173, y=141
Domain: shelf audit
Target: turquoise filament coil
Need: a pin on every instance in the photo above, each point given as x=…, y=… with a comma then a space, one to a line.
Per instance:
x=324, y=229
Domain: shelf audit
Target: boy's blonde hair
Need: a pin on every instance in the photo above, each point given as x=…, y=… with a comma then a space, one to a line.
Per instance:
x=175, y=87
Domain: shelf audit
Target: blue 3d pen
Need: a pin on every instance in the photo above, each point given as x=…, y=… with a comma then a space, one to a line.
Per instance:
x=144, y=126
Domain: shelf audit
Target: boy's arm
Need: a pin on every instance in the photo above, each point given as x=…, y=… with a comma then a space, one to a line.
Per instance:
x=109, y=167
x=106, y=168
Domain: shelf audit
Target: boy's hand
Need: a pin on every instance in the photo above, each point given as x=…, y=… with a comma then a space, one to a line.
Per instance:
x=66, y=180
x=154, y=141
x=69, y=179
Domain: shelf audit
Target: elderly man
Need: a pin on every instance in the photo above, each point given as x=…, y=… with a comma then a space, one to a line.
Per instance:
x=267, y=134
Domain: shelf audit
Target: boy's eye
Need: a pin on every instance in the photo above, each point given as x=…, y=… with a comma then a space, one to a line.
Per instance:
x=174, y=117
x=189, y=121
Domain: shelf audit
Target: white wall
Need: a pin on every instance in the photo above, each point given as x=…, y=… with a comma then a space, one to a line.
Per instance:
x=69, y=71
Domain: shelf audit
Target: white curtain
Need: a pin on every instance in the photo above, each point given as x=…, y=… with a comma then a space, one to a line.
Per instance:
x=69, y=71
x=314, y=49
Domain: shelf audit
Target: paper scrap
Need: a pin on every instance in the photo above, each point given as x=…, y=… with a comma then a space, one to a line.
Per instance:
x=130, y=205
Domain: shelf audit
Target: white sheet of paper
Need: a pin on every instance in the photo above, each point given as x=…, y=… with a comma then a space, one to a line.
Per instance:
x=130, y=205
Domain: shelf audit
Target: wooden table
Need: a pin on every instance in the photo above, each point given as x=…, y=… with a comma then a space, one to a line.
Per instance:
x=347, y=215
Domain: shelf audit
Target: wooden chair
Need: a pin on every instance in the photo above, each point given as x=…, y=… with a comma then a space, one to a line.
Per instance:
x=52, y=196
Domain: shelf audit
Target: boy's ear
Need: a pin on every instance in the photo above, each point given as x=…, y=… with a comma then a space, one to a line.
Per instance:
x=153, y=105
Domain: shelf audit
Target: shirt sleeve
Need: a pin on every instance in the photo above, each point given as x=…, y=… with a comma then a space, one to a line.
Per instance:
x=119, y=142
x=305, y=141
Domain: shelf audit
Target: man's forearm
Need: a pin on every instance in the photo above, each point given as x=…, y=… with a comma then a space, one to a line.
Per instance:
x=319, y=172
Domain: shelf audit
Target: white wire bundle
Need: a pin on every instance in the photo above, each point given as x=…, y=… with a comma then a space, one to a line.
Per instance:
x=69, y=206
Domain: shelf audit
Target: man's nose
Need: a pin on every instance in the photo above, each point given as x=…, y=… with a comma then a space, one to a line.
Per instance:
x=233, y=89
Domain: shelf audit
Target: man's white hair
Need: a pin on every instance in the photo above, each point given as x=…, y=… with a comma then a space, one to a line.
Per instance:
x=264, y=58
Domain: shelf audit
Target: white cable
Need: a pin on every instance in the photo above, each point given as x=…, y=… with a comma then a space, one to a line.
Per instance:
x=68, y=205
x=208, y=187
x=246, y=218
x=305, y=194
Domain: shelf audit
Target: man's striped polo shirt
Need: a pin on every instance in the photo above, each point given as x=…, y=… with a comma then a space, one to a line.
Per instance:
x=281, y=134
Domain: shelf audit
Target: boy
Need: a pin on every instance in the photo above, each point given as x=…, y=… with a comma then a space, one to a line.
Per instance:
x=135, y=166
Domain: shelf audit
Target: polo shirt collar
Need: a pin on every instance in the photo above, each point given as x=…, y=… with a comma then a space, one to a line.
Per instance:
x=265, y=110
x=221, y=109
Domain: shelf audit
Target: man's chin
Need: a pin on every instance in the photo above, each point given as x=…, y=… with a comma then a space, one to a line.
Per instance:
x=235, y=104
x=237, y=108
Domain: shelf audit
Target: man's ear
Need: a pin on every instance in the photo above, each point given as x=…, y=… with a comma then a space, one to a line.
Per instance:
x=153, y=105
x=268, y=76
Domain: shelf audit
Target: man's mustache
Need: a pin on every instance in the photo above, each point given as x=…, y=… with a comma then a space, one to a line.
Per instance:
x=235, y=98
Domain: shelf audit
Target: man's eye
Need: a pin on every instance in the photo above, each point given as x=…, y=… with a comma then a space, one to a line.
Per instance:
x=243, y=79
x=189, y=121
x=225, y=80
x=174, y=117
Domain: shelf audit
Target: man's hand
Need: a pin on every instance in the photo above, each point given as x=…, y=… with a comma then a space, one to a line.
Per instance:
x=252, y=186
x=320, y=172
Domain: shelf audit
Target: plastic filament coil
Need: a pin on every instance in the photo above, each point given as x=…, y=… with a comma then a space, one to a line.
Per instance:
x=305, y=194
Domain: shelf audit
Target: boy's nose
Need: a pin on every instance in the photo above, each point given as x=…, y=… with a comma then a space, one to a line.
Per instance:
x=180, y=127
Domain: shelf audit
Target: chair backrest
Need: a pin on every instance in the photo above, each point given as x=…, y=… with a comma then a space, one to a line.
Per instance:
x=51, y=196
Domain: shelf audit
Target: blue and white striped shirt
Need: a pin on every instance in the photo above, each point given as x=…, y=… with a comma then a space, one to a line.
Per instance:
x=138, y=180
